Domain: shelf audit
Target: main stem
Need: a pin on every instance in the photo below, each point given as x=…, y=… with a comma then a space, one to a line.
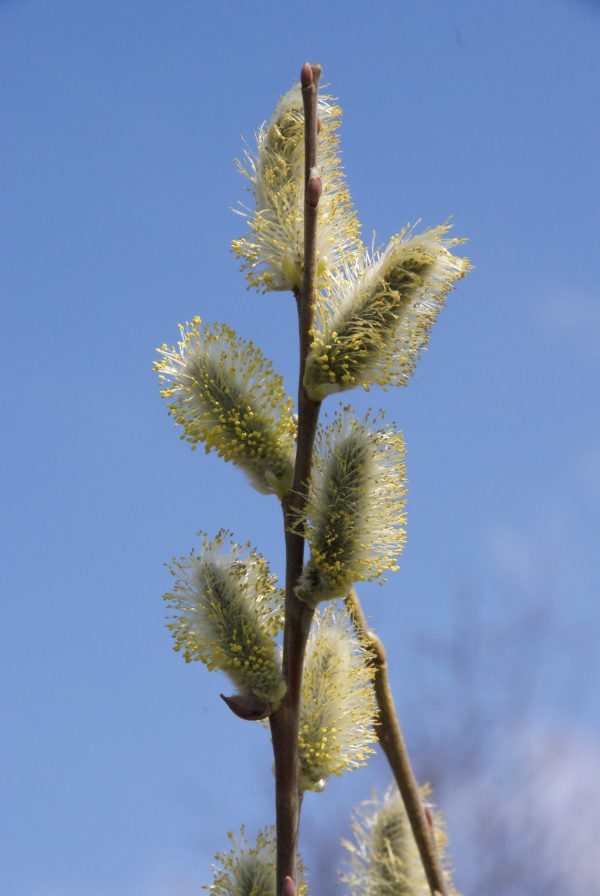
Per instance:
x=392, y=742
x=298, y=616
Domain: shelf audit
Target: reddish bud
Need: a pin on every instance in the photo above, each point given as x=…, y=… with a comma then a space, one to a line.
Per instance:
x=306, y=75
x=247, y=706
x=314, y=188
x=289, y=887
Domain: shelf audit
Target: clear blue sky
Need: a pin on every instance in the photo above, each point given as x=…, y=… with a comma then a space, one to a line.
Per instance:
x=121, y=120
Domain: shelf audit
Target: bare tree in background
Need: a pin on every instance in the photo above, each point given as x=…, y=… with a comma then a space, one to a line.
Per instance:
x=522, y=789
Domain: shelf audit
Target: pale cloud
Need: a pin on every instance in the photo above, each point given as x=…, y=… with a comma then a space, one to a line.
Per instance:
x=563, y=777
x=540, y=791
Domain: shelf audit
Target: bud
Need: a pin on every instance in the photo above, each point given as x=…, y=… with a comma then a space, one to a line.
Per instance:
x=337, y=707
x=227, y=612
x=314, y=188
x=250, y=869
x=384, y=858
x=272, y=254
x=306, y=75
x=248, y=707
x=224, y=393
x=378, y=311
x=289, y=887
x=354, y=518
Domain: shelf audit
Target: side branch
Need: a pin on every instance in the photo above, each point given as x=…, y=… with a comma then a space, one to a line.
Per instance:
x=298, y=616
x=392, y=742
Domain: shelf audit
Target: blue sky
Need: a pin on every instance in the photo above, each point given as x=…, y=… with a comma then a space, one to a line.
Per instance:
x=122, y=769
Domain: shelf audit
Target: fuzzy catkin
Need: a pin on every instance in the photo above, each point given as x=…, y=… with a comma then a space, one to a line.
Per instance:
x=384, y=858
x=355, y=514
x=377, y=312
x=224, y=393
x=226, y=613
x=272, y=254
x=248, y=869
x=337, y=708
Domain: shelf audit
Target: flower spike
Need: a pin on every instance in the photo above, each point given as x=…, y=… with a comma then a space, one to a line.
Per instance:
x=376, y=317
x=227, y=611
x=337, y=709
x=384, y=859
x=272, y=254
x=248, y=869
x=224, y=392
x=354, y=518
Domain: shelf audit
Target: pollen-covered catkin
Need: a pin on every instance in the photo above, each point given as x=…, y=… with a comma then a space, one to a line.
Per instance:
x=354, y=518
x=384, y=858
x=272, y=254
x=337, y=707
x=226, y=613
x=224, y=393
x=377, y=313
x=248, y=869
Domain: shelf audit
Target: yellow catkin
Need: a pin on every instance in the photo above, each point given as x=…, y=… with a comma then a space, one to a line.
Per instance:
x=354, y=518
x=226, y=612
x=272, y=254
x=383, y=857
x=225, y=394
x=249, y=869
x=337, y=712
x=375, y=317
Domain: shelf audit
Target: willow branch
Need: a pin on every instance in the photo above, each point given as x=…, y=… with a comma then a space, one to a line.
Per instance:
x=393, y=745
x=298, y=616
